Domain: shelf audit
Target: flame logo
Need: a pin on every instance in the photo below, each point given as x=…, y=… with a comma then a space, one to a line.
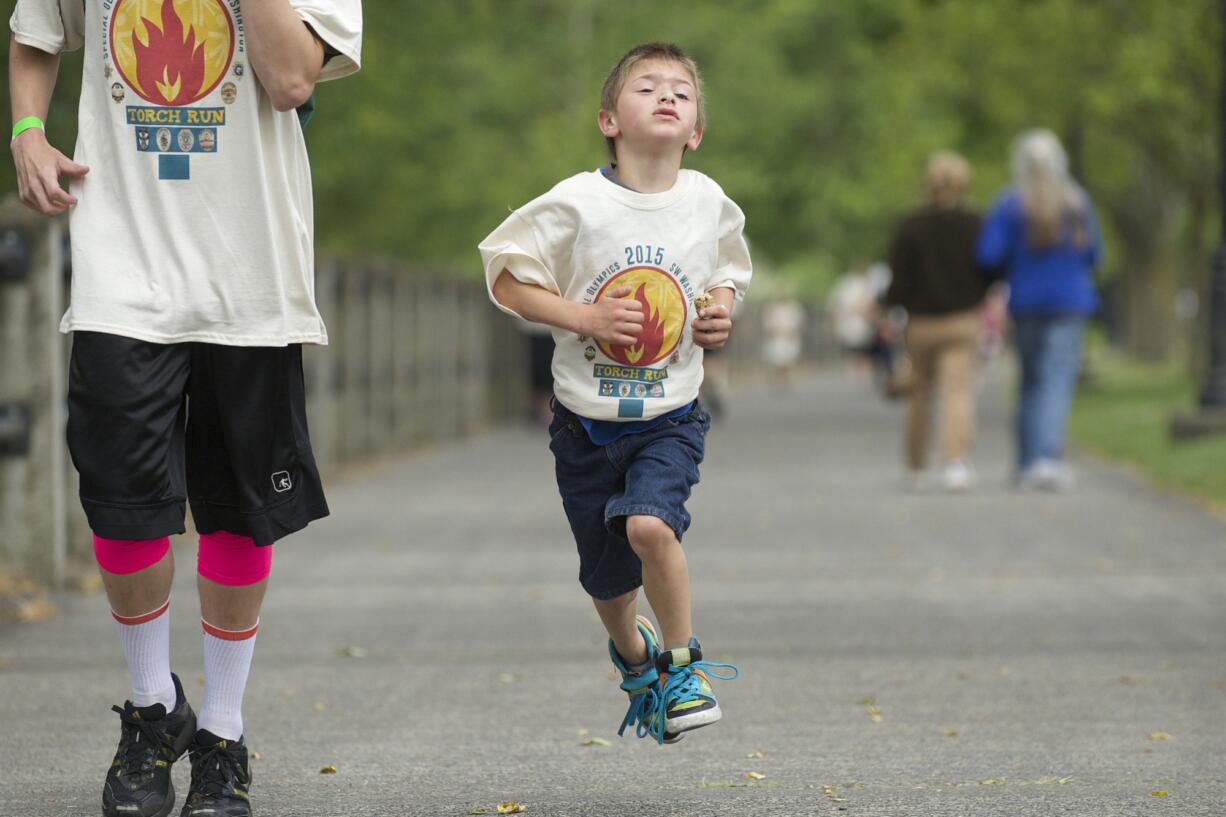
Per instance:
x=664, y=310
x=172, y=52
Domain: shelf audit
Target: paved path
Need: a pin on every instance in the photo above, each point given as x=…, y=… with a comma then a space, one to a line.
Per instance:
x=903, y=654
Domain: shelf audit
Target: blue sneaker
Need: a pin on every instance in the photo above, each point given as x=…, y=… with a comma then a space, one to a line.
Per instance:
x=643, y=689
x=686, y=701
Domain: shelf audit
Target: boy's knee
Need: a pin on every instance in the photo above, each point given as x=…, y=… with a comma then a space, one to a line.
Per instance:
x=649, y=535
x=617, y=602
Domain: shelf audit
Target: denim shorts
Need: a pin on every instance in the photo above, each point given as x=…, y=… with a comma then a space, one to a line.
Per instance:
x=646, y=474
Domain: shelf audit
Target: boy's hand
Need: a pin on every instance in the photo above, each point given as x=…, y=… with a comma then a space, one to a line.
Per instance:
x=39, y=168
x=614, y=318
x=714, y=323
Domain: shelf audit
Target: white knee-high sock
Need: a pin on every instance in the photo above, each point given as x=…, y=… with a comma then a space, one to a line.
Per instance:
x=227, y=662
x=146, y=647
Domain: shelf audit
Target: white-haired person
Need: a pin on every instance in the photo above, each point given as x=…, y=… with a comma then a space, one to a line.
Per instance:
x=1042, y=236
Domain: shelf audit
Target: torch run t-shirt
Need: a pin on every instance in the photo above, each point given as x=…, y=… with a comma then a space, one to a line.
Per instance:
x=588, y=236
x=195, y=221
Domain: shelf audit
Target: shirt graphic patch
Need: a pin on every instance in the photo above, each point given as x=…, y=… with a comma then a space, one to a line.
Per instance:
x=172, y=54
x=664, y=310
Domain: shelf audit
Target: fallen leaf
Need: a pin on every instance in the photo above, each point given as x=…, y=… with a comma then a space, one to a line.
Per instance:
x=255, y=755
x=755, y=775
x=506, y=678
x=510, y=807
x=988, y=782
x=868, y=700
x=1160, y=793
x=950, y=733
x=595, y=742
x=329, y=769
x=581, y=732
x=1159, y=736
x=351, y=652
x=755, y=755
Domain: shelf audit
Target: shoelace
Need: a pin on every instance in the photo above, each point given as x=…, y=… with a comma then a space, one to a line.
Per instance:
x=683, y=682
x=137, y=756
x=643, y=700
x=216, y=768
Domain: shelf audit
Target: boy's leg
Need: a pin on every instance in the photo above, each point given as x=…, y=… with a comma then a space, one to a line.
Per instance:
x=666, y=576
x=618, y=615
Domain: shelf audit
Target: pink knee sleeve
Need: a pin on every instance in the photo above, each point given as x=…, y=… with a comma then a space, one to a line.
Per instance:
x=123, y=556
x=230, y=559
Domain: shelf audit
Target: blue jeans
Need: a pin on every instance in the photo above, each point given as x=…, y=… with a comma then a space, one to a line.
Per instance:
x=1049, y=351
x=647, y=474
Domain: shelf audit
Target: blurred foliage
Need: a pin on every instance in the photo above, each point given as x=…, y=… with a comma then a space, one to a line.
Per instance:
x=820, y=115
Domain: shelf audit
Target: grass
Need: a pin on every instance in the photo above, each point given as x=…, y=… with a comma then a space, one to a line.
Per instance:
x=1124, y=415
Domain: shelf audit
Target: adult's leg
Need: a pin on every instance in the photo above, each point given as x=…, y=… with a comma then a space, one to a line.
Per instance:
x=1028, y=333
x=923, y=343
x=232, y=577
x=125, y=434
x=956, y=372
x=1058, y=379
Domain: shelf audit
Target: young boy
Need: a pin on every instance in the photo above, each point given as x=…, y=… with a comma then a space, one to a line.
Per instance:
x=192, y=294
x=617, y=261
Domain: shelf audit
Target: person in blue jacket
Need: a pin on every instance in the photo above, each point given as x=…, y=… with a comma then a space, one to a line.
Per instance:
x=1042, y=237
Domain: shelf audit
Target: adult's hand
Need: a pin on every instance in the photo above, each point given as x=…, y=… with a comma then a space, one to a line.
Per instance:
x=39, y=168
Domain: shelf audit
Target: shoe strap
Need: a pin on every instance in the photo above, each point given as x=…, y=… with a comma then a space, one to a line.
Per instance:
x=678, y=657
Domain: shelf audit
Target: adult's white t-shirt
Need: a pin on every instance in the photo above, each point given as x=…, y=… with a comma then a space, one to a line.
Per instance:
x=195, y=221
x=588, y=236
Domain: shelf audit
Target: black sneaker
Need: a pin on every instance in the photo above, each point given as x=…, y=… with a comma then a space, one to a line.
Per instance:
x=150, y=741
x=221, y=776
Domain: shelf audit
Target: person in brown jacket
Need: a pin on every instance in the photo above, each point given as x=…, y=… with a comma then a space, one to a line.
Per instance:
x=936, y=280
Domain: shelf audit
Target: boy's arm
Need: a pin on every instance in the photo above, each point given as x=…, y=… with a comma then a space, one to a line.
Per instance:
x=613, y=319
x=286, y=54
x=714, y=324
x=39, y=166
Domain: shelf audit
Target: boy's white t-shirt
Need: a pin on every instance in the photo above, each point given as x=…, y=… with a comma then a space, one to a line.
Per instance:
x=588, y=236
x=195, y=221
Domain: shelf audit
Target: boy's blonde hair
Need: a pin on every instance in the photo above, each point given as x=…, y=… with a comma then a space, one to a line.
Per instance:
x=666, y=52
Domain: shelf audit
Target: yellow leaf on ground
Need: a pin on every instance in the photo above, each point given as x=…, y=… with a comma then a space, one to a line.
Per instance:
x=1159, y=736
x=1160, y=793
x=255, y=755
x=755, y=775
x=755, y=755
x=595, y=742
x=329, y=769
x=510, y=807
x=868, y=700
x=582, y=732
x=950, y=733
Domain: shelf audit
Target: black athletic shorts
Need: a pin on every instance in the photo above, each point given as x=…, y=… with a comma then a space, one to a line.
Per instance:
x=151, y=425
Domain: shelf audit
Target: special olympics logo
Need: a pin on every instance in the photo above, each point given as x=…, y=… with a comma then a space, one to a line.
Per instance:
x=172, y=52
x=663, y=315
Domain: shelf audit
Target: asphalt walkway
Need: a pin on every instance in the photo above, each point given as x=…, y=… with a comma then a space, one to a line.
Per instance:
x=902, y=654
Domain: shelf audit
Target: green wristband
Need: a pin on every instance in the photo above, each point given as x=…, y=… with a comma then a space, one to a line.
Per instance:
x=23, y=125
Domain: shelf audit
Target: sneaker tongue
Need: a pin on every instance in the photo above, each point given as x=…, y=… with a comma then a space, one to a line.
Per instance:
x=678, y=657
x=153, y=712
x=206, y=738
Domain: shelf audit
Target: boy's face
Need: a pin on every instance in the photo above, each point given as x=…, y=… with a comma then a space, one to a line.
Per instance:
x=657, y=109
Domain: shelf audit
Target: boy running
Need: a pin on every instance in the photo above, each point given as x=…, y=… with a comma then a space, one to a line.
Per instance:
x=619, y=262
